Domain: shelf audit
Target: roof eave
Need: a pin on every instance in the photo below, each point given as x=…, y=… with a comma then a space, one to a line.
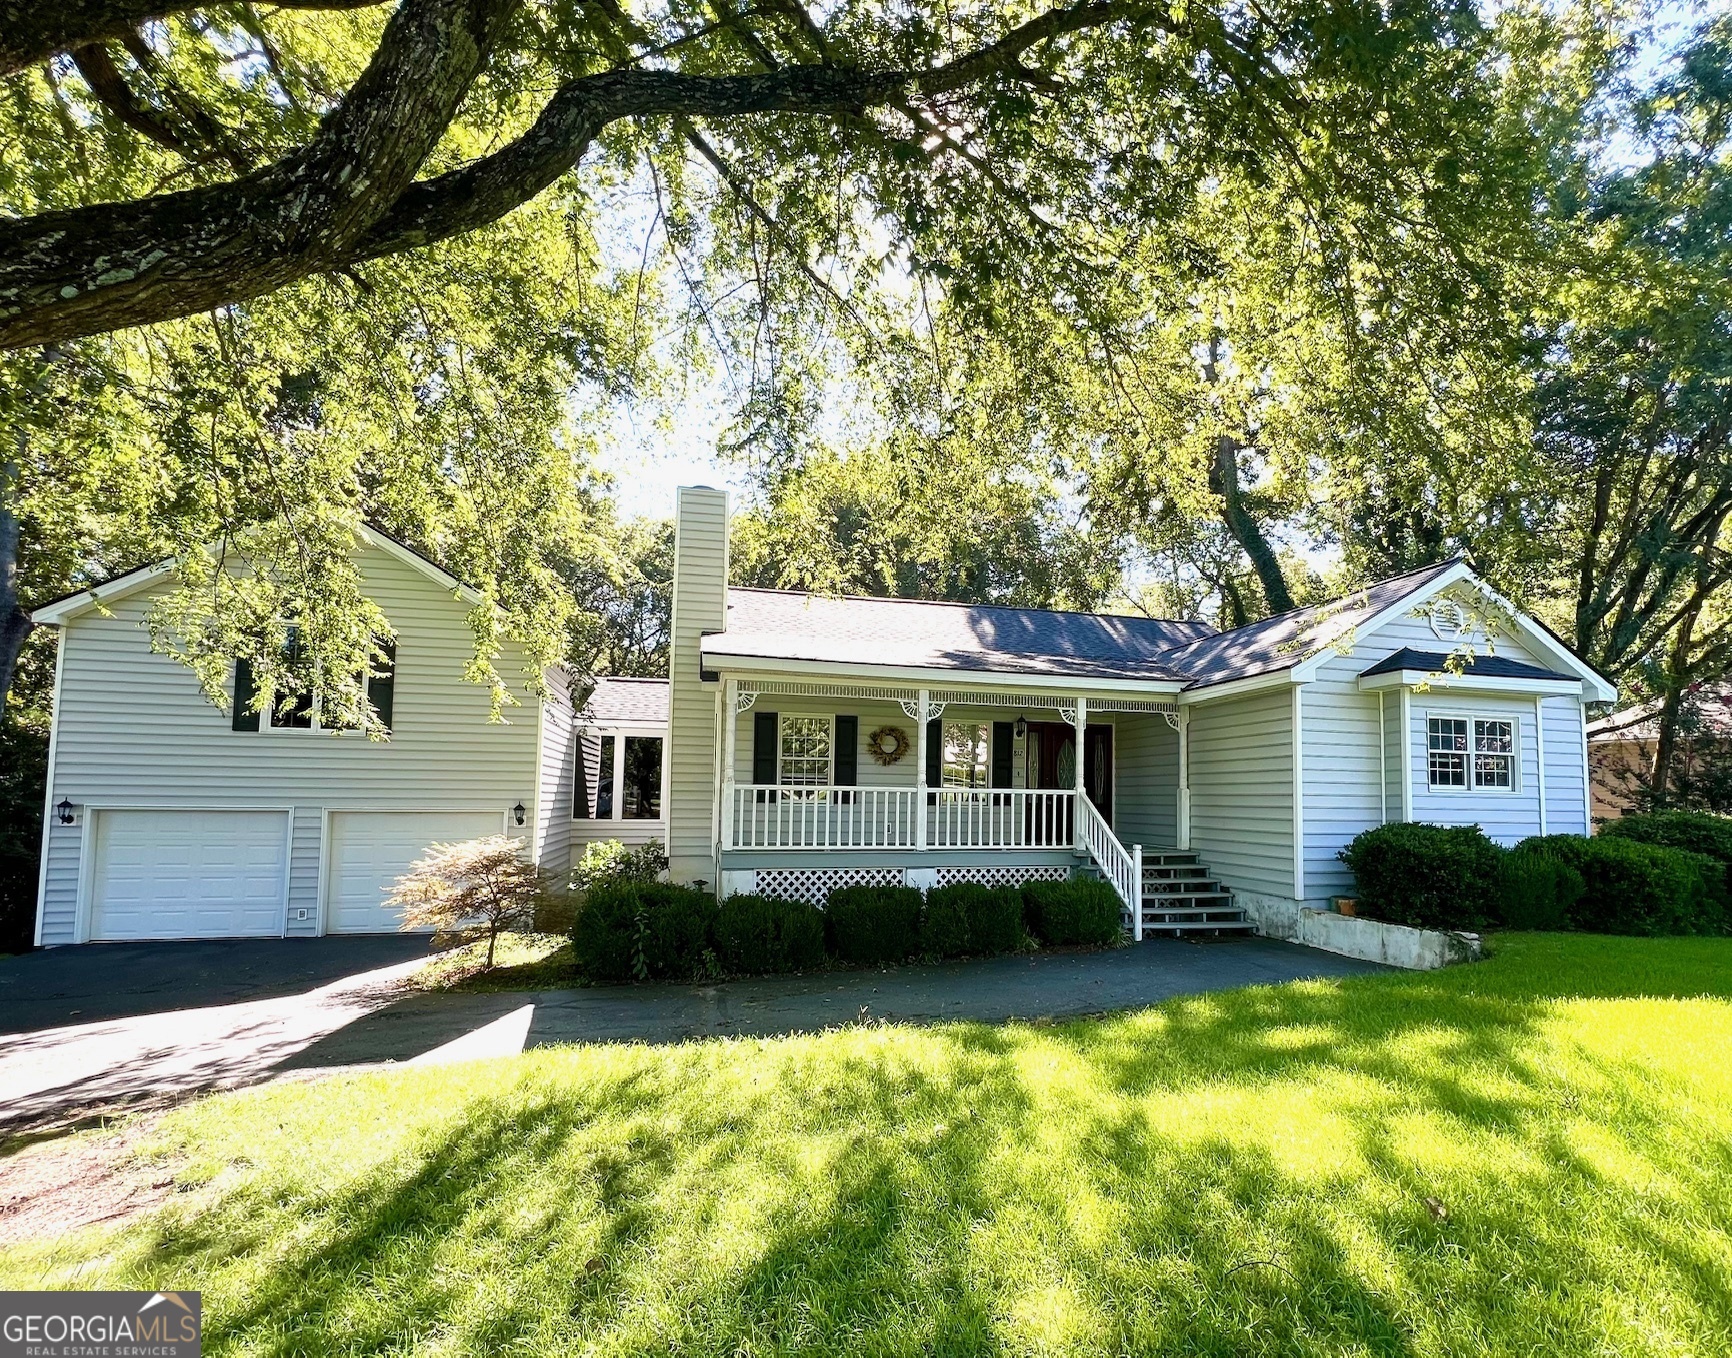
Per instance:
x=932, y=676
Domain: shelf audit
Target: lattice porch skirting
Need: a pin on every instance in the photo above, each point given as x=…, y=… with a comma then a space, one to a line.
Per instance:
x=816, y=884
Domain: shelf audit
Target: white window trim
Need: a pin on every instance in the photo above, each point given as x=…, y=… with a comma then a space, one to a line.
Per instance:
x=1428, y=715
x=984, y=723
x=782, y=720
x=619, y=733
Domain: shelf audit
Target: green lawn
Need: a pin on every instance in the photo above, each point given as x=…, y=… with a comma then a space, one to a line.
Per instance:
x=1532, y=1155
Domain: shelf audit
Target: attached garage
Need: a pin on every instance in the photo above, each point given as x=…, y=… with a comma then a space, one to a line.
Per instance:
x=188, y=874
x=369, y=850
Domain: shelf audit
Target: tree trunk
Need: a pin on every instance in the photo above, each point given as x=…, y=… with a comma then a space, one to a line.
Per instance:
x=15, y=623
x=1224, y=481
x=1672, y=703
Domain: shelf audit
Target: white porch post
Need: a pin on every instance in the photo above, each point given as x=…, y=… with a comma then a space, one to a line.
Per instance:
x=730, y=737
x=1183, y=829
x=1081, y=721
x=1137, y=878
x=920, y=776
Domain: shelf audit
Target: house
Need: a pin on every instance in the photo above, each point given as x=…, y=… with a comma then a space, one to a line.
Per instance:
x=1621, y=747
x=815, y=742
x=169, y=818
x=804, y=742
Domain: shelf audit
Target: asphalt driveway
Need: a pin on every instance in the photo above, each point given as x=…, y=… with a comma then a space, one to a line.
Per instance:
x=178, y=1024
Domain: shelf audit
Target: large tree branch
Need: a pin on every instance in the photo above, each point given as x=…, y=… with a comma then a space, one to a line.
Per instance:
x=86, y=270
x=34, y=30
x=348, y=197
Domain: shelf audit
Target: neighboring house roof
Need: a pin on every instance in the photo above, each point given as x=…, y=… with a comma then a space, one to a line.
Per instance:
x=1487, y=666
x=783, y=625
x=1709, y=707
x=1287, y=639
x=627, y=702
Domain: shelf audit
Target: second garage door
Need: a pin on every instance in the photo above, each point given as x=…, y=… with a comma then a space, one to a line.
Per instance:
x=371, y=849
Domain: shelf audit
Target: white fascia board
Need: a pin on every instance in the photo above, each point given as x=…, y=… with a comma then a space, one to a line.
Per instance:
x=1234, y=688
x=1306, y=669
x=64, y=610
x=415, y=561
x=1594, y=688
x=1468, y=683
x=920, y=676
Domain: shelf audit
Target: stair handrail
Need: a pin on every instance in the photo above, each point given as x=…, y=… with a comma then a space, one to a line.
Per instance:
x=1121, y=866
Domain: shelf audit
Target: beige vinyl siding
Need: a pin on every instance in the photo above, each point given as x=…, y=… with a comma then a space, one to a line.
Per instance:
x=699, y=606
x=1505, y=816
x=133, y=729
x=1241, y=777
x=1390, y=731
x=1146, y=760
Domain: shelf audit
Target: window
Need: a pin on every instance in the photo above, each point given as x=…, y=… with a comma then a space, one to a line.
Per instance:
x=804, y=754
x=301, y=711
x=967, y=754
x=1493, y=753
x=640, y=791
x=292, y=711
x=1470, y=751
x=604, y=780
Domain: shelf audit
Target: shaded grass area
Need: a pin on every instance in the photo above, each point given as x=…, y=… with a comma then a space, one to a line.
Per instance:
x=1530, y=1155
x=520, y=962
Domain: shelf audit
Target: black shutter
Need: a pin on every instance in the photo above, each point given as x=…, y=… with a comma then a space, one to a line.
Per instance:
x=934, y=753
x=246, y=718
x=764, y=733
x=382, y=688
x=847, y=751
x=1003, y=733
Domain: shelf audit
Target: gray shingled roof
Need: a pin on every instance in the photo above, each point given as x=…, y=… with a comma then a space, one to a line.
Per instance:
x=1283, y=641
x=781, y=625
x=1487, y=666
x=627, y=702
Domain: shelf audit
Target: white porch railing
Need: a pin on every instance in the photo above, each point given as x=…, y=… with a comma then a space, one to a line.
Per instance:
x=783, y=817
x=1121, y=866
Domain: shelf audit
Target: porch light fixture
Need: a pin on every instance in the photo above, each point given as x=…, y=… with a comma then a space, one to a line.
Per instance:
x=64, y=808
x=517, y=813
x=1021, y=727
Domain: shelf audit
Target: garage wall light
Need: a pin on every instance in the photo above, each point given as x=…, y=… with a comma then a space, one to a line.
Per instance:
x=518, y=812
x=64, y=810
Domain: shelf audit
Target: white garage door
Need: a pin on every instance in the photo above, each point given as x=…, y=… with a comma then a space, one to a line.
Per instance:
x=370, y=850
x=188, y=874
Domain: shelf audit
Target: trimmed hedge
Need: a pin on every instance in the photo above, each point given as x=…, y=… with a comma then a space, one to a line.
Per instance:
x=968, y=918
x=644, y=931
x=1633, y=888
x=1696, y=831
x=761, y=935
x=1429, y=876
x=1080, y=910
x=873, y=924
x=1537, y=892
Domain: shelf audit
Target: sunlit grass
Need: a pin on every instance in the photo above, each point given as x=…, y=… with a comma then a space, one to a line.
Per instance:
x=520, y=962
x=1532, y=1155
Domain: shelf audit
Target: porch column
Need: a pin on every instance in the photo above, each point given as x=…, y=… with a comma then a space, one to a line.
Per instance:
x=730, y=734
x=1184, y=808
x=920, y=774
x=1081, y=721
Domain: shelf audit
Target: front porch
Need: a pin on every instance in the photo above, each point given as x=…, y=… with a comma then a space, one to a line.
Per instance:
x=825, y=785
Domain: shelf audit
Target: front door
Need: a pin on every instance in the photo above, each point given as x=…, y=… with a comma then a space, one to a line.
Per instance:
x=1052, y=761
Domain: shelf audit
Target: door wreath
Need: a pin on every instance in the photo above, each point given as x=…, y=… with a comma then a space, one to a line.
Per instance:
x=887, y=744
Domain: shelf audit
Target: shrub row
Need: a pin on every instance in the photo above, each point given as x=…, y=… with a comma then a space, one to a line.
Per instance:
x=646, y=931
x=1665, y=873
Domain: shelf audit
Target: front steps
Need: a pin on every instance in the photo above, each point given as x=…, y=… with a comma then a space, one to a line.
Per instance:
x=1180, y=898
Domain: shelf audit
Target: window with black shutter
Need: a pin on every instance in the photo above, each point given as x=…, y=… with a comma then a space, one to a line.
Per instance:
x=766, y=736
x=847, y=751
x=934, y=756
x=382, y=682
x=246, y=716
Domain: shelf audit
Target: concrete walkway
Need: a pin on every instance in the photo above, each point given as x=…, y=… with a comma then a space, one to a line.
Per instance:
x=56, y=1075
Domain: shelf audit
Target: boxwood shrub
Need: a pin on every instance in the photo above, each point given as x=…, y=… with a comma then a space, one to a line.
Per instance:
x=1633, y=888
x=644, y=931
x=969, y=919
x=1079, y=910
x=873, y=923
x=1429, y=876
x=762, y=935
x=1696, y=831
x=1536, y=891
